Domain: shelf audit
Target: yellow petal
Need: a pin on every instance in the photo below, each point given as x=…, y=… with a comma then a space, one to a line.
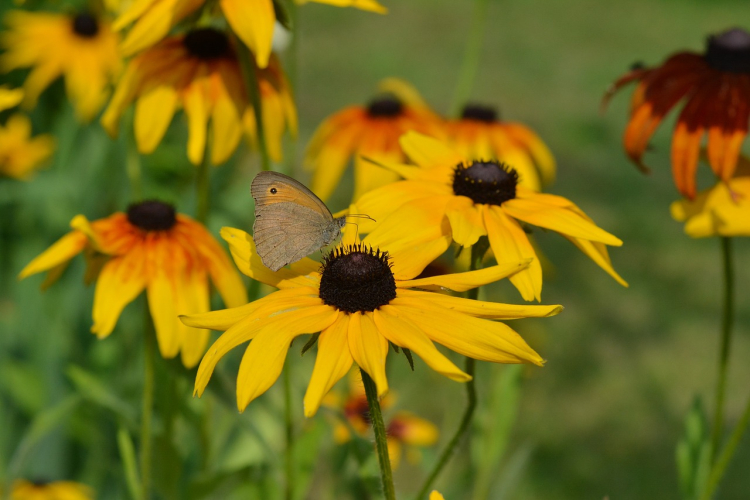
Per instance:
x=332, y=157
x=196, y=109
x=10, y=98
x=120, y=281
x=369, y=349
x=331, y=364
x=460, y=282
x=226, y=130
x=264, y=358
x=368, y=176
x=510, y=244
x=598, y=253
x=415, y=431
x=405, y=333
x=435, y=495
x=253, y=21
x=428, y=152
x=370, y=5
x=153, y=114
x=481, y=309
x=162, y=299
x=193, y=297
x=61, y=251
x=466, y=220
x=545, y=162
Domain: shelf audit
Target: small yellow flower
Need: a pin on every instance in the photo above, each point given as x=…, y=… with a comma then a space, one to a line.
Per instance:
x=371, y=131
x=10, y=98
x=359, y=300
x=200, y=72
x=20, y=154
x=480, y=134
x=450, y=197
x=55, y=490
x=723, y=210
x=406, y=430
x=81, y=48
x=370, y=5
x=150, y=247
x=435, y=495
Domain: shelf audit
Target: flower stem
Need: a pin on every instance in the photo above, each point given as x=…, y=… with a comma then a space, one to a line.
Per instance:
x=470, y=63
x=133, y=169
x=726, y=344
x=381, y=440
x=289, y=428
x=147, y=407
x=250, y=76
x=720, y=466
x=203, y=189
x=477, y=253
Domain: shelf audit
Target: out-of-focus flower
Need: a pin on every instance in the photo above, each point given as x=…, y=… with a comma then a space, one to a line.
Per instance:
x=10, y=98
x=370, y=5
x=435, y=495
x=410, y=432
x=252, y=20
x=354, y=406
x=716, y=89
x=81, y=48
x=451, y=197
x=361, y=299
x=480, y=134
x=150, y=247
x=21, y=154
x=54, y=490
x=723, y=210
x=200, y=72
x=371, y=131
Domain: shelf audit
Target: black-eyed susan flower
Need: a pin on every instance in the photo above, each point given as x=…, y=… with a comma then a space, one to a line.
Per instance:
x=370, y=5
x=372, y=131
x=723, y=210
x=353, y=405
x=152, y=248
x=10, y=98
x=715, y=86
x=52, y=490
x=407, y=433
x=199, y=72
x=81, y=48
x=359, y=300
x=21, y=154
x=479, y=133
x=450, y=197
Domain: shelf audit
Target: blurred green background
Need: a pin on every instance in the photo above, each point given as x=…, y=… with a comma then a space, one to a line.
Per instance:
x=601, y=419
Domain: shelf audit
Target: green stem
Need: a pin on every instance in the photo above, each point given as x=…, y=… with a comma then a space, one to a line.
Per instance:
x=381, y=440
x=289, y=427
x=726, y=344
x=203, y=190
x=477, y=253
x=250, y=75
x=720, y=467
x=147, y=407
x=133, y=169
x=470, y=63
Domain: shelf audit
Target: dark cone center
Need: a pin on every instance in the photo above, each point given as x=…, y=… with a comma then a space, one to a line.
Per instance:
x=387, y=107
x=357, y=279
x=480, y=113
x=207, y=43
x=486, y=182
x=152, y=215
x=729, y=51
x=85, y=25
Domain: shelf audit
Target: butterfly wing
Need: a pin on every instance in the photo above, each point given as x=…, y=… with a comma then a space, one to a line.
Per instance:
x=272, y=187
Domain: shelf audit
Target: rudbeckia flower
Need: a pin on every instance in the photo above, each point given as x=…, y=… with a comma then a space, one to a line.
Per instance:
x=148, y=248
x=360, y=299
x=370, y=5
x=714, y=86
x=82, y=48
x=450, y=197
x=480, y=134
x=372, y=131
x=200, y=72
x=54, y=490
x=723, y=210
x=10, y=98
x=21, y=154
x=409, y=432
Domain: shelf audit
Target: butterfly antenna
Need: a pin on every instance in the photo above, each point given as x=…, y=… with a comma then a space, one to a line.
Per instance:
x=361, y=216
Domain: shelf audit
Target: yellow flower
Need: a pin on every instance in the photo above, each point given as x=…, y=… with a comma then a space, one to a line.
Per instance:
x=81, y=48
x=200, y=72
x=252, y=20
x=354, y=407
x=20, y=154
x=450, y=197
x=371, y=131
x=360, y=299
x=409, y=431
x=56, y=490
x=150, y=247
x=480, y=134
x=370, y=5
x=10, y=98
x=435, y=495
x=723, y=210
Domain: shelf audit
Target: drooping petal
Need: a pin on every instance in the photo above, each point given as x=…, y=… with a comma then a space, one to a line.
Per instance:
x=162, y=300
x=466, y=220
x=478, y=308
x=196, y=109
x=61, y=251
x=153, y=114
x=264, y=358
x=405, y=333
x=253, y=21
x=369, y=349
x=333, y=361
x=598, y=253
x=460, y=282
x=193, y=297
x=333, y=156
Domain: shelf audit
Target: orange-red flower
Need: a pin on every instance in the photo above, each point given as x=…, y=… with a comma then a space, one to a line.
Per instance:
x=716, y=89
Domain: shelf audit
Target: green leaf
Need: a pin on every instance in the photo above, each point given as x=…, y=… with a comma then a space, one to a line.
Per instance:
x=89, y=386
x=310, y=343
x=129, y=463
x=693, y=452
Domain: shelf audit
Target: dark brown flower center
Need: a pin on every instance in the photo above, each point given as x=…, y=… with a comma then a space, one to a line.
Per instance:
x=152, y=215
x=357, y=279
x=479, y=113
x=729, y=51
x=357, y=407
x=207, y=43
x=85, y=25
x=386, y=107
x=487, y=182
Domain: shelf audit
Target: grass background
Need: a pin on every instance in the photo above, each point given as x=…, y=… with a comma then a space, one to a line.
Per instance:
x=623, y=365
